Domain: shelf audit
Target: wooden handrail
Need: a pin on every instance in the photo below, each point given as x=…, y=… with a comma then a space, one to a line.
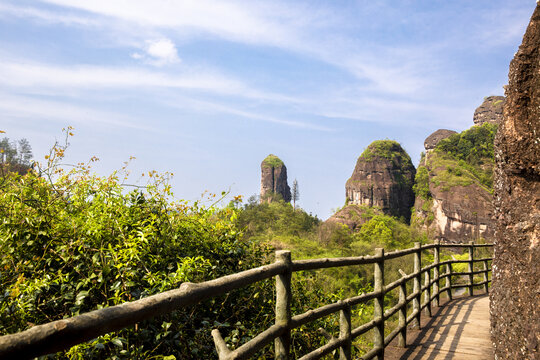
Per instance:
x=62, y=334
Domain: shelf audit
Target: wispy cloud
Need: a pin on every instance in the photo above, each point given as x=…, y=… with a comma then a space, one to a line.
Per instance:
x=24, y=107
x=46, y=16
x=35, y=76
x=240, y=21
x=501, y=28
x=311, y=31
x=204, y=106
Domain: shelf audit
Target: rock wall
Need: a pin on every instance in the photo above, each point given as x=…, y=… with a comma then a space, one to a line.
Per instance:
x=383, y=178
x=459, y=215
x=491, y=111
x=515, y=295
x=454, y=207
x=432, y=140
x=274, y=179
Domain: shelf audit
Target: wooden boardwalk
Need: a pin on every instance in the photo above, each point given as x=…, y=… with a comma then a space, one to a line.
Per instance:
x=458, y=330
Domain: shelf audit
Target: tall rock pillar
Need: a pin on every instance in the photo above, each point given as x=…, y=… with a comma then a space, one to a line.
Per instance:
x=383, y=177
x=274, y=179
x=515, y=295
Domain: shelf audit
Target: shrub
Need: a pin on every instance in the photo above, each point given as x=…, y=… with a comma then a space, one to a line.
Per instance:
x=71, y=242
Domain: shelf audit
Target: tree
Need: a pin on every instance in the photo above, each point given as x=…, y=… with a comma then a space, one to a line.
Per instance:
x=7, y=150
x=295, y=193
x=15, y=156
x=24, y=152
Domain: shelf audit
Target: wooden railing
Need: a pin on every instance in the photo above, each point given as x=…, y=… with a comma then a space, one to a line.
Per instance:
x=62, y=334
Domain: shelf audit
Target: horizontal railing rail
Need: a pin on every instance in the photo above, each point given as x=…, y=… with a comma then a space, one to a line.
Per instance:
x=62, y=334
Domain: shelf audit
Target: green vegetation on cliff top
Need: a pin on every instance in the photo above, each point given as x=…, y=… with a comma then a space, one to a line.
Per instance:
x=387, y=149
x=459, y=160
x=272, y=161
x=475, y=145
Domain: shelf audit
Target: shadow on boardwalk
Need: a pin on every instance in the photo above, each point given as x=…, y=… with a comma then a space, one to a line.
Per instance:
x=457, y=330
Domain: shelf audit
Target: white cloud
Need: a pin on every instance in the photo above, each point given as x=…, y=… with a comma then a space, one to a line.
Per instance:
x=239, y=21
x=163, y=50
x=22, y=107
x=312, y=31
x=158, y=53
x=46, y=16
x=202, y=106
x=35, y=76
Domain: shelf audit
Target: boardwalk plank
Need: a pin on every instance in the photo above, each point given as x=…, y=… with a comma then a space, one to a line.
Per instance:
x=459, y=330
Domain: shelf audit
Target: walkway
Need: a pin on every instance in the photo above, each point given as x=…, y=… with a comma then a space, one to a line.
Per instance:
x=457, y=330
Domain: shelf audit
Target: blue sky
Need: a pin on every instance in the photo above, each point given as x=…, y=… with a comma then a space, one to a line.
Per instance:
x=206, y=89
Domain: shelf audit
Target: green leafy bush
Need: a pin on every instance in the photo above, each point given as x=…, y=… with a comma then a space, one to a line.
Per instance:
x=71, y=242
x=474, y=145
x=421, y=183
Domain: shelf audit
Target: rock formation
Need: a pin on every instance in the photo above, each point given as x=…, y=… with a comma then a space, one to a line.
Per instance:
x=456, y=215
x=451, y=203
x=491, y=111
x=432, y=140
x=515, y=295
x=274, y=179
x=383, y=178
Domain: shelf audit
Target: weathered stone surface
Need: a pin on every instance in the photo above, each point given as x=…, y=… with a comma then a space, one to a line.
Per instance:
x=274, y=179
x=457, y=215
x=383, y=178
x=432, y=140
x=515, y=296
x=491, y=111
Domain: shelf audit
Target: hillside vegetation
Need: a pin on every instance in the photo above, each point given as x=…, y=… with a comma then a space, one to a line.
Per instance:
x=459, y=160
x=72, y=242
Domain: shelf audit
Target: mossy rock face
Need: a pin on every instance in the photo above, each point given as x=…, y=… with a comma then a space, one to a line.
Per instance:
x=272, y=161
x=454, y=186
x=383, y=177
x=274, y=180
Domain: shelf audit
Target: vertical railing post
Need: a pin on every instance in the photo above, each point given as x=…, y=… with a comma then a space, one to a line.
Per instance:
x=486, y=276
x=449, y=281
x=471, y=267
x=416, y=282
x=402, y=337
x=436, y=271
x=427, y=294
x=378, y=307
x=345, y=333
x=283, y=305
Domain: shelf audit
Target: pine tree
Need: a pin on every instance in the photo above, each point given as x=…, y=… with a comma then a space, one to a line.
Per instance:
x=295, y=193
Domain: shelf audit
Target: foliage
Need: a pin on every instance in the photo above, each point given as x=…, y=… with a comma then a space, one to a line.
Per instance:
x=387, y=232
x=295, y=193
x=475, y=146
x=449, y=172
x=71, y=242
x=277, y=217
x=272, y=161
x=460, y=160
x=388, y=149
x=421, y=183
x=15, y=155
